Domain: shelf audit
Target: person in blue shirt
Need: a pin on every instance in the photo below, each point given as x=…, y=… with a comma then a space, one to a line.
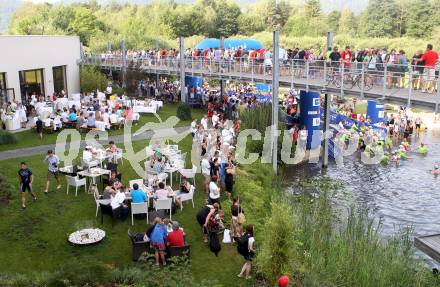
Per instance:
x=91, y=120
x=158, y=239
x=72, y=116
x=158, y=166
x=137, y=195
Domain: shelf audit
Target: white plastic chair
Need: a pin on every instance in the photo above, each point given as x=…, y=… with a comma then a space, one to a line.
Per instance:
x=186, y=197
x=76, y=182
x=118, y=156
x=163, y=204
x=140, y=183
x=86, y=164
x=99, y=201
x=139, y=208
x=189, y=173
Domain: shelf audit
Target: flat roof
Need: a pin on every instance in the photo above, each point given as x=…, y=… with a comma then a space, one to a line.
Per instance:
x=40, y=36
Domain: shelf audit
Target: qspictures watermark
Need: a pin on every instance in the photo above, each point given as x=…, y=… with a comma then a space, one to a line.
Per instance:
x=345, y=143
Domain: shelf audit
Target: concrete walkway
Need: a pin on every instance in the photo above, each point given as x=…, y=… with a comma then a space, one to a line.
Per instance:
x=42, y=150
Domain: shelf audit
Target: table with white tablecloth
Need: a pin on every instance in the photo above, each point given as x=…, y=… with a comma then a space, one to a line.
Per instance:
x=145, y=109
x=75, y=97
x=76, y=103
x=45, y=110
x=61, y=103
x=12, y=122
x=102, y=126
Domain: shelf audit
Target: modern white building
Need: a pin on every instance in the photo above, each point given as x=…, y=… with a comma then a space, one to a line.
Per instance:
x=39, y=64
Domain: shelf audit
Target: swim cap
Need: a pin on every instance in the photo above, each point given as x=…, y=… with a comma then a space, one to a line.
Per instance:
x=283, y=281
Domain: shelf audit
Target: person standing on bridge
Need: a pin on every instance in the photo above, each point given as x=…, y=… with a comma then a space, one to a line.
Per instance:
x=346, y=58
x=430, y=57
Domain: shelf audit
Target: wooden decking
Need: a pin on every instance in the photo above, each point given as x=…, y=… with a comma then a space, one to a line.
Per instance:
x=430, y=245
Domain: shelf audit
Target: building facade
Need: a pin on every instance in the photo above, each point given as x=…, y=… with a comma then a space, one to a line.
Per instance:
x=43, y=65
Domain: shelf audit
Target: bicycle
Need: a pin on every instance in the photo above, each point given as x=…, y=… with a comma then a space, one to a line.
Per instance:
x=349, y=81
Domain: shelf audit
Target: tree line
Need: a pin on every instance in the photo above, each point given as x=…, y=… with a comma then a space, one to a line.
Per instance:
x=159, y=23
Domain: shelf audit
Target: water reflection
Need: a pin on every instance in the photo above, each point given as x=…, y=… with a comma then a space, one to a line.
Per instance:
x=408, y=195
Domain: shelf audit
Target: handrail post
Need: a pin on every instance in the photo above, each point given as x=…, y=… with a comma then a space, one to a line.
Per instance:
x=410, y=87
x=384, y=82
x=363, y=81
x=307, y=76
x=252, y=68
x=325, y=74
x=292, y=75
x=240, y=67
x=342, y=71
x=438, y=97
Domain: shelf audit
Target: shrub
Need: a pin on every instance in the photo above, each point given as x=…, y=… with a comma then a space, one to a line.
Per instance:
x=347, y=250
x=6, y=190
x=184, y=111
x=92, y=78
x=118, y=90
x=7, y=137
x=278, y=252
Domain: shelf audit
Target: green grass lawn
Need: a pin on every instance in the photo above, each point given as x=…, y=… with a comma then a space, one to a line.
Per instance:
x=30, y=138
x=35, y=239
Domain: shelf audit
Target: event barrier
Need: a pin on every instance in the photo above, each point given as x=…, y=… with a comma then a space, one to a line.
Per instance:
x=375, y=111
x=310, y=107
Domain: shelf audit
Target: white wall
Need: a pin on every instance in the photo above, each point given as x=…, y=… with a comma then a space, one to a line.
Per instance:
x=40, y=52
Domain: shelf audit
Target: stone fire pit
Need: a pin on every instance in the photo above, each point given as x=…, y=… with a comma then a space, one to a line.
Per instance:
x=87, y=236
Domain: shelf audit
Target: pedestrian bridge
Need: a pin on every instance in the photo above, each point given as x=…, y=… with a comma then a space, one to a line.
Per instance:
x=383, y=86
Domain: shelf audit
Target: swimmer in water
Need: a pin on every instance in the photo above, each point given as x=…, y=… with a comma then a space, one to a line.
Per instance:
x=422, y=149
x=395, y=158
x=436, y=170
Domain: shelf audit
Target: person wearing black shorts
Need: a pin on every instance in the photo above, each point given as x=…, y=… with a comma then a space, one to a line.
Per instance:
x=25, y=178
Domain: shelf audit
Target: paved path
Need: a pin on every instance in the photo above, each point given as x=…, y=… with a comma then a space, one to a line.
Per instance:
x=42, y=150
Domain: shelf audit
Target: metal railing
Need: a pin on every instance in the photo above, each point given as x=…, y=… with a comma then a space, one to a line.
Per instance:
x=383, y=80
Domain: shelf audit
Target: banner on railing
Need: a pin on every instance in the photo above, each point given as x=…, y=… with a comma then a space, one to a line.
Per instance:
x=336, y=118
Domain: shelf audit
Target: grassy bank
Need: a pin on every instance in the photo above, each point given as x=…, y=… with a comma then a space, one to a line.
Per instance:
x=37, y=237
x=30, y=138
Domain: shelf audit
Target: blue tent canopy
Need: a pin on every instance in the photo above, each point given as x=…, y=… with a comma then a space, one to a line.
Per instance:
x=247, y=44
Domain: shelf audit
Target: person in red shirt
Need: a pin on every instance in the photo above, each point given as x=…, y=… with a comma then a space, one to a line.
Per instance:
x=346, y=57
x=176, y=237
x=430, y=58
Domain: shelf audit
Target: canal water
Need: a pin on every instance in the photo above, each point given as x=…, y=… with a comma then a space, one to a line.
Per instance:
x=399, y=197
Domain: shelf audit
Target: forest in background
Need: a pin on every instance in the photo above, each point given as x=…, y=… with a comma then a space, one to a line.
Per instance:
x=404, y=24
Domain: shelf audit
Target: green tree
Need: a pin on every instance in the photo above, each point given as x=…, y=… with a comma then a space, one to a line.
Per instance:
x=61, y=17
x=379, y=19
x=312, y=8
x=250, y=24
x=85, y=24
x=91, y=78
x=31, y=19
x=184, y=21
x=275, y=16
x=333, y=21
x=420, y=22
x=347, y=22
x=403, y=9
x=226, y=19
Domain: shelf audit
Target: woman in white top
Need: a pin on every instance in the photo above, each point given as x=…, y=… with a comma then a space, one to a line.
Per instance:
x=214, y=191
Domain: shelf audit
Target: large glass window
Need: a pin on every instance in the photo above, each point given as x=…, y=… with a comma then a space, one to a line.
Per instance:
x=2, y=81
x=59, y=79
x=3, y=91
x=31, y=81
